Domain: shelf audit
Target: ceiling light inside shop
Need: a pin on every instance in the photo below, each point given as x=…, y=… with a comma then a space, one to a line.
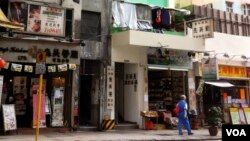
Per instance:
x=178, y=69
x=157, y=68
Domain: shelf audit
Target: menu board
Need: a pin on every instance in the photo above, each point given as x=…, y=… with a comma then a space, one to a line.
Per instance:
x=247, y=114
x=235, y=117
x=9, y=117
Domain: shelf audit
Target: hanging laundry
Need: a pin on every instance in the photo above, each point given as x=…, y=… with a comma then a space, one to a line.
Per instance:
x=156, y=18
x=165, y=18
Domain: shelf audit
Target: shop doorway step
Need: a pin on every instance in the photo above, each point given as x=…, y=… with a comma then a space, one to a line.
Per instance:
x=126, y=126
x=87, y=128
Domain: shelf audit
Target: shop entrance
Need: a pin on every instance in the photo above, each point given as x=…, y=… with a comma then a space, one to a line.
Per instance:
x=85, y=100
x=22, y=88
x=119, y=92
x=126, y=97
x=165, y=88
x=89, y=94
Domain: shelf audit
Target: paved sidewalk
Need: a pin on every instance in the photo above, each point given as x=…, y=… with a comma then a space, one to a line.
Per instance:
x=116, y=135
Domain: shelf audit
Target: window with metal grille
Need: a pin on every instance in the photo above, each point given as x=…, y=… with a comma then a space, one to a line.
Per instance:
x=229, y=6
x=246, y=9
x=91, y=25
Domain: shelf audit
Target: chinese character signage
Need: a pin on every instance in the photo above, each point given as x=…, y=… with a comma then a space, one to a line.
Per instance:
x=110, y=88
x=38, y=19
x=203, y=28
x=232, y=71
x=9, y=117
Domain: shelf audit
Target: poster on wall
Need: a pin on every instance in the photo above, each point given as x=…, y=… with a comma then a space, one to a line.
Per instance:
x=9, y=117
x=46, y=20
x=192, y=95
x=35, y=91
x=57, y=107
x=18, y=13
x=38, y=19
x=20, y=94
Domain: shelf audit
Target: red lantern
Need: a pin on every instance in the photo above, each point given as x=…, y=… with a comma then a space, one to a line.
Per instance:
x=2, y=63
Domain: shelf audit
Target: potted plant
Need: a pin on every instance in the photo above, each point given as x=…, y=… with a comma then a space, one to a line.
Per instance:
x=214, y=119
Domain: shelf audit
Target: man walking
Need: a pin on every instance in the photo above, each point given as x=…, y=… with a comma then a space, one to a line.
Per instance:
x=182, y=116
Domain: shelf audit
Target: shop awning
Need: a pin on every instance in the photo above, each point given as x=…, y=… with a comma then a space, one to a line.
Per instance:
x=5, y=22
x=220, y=84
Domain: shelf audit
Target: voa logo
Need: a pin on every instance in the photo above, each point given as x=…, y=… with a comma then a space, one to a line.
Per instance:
x=236, y=132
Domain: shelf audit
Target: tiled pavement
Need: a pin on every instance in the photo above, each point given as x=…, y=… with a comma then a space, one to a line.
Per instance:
x=115, y=135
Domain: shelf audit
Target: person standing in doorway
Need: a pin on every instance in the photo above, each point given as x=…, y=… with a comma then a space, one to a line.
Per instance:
x=183, y=116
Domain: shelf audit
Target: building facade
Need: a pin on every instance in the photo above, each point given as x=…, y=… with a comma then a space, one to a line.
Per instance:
x=227, y=63
x=47, y=28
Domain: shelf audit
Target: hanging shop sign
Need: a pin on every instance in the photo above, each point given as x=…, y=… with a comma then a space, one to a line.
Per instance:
x=210, y=69
x=202, y=28
x=232, y=71
x=38, y=19
x=169, y=58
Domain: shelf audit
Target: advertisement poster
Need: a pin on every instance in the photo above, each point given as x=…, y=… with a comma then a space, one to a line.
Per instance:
x=35, y=108
x=18, y=13
x=46, y=20
x=9, y=117
x=57, y=114
x=20, y=94
x=38, y=19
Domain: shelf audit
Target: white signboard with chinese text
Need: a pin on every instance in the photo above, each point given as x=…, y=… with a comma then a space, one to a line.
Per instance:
x=110, y=87
x=9, y=117
x=203, y=28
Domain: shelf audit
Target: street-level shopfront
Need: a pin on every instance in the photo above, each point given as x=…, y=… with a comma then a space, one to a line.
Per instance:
x=20, y=80
x=133, y=54
x=227, y=87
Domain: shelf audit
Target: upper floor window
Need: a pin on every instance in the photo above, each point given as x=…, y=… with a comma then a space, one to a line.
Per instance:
x=210, y=5
x=91, y=25
x=246, y=9
x=229, y=6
